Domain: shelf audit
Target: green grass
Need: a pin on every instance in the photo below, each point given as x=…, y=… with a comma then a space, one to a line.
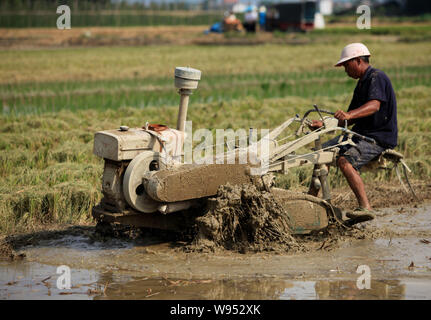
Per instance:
x=154, y=62
x=38, y=81
x=54, y=100
x=141, y=93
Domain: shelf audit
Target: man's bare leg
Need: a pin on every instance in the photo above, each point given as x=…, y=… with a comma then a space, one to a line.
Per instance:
x=355, y=182
x=313, y=191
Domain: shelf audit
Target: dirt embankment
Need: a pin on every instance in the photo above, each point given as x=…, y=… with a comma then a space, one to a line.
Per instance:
x=104, y=36
x=142, y=36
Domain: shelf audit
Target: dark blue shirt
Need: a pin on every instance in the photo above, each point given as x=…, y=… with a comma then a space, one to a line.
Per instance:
x=382, y=125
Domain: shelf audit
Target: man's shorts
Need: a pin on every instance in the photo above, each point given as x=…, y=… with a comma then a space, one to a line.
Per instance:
x=358, y=155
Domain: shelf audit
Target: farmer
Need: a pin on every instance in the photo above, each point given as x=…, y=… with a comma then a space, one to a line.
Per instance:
x=373, y=112
x=250, y=19
x=231, y=22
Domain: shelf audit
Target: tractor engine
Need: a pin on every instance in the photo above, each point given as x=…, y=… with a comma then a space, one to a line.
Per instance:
x=154, y=146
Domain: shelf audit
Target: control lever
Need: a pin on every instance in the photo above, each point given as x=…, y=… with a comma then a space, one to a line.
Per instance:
x=320, y=115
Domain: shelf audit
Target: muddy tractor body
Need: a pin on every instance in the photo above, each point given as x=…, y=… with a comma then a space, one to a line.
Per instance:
x=147, y=182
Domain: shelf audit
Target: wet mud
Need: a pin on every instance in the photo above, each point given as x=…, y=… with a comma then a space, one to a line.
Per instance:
x=384, y=195
x=144, y=264
x=244, y=218
x=7, y=251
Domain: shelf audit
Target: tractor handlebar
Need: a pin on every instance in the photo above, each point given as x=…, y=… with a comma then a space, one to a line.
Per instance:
x=345, y=130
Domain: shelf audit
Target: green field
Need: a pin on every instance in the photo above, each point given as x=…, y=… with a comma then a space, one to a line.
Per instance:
x=87, y=13
x=53, y=100
x=107, y=19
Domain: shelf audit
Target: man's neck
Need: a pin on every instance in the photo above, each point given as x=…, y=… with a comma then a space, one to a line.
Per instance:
x=364, y=71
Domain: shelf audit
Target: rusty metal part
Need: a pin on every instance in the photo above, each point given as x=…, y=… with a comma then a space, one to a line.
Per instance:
x=156, y=127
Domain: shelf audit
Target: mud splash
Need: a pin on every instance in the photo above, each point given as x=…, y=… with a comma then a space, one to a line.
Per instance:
x=243, y=218
x=247, y=218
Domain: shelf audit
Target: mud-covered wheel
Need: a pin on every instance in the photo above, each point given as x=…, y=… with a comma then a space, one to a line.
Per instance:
x=133, y=188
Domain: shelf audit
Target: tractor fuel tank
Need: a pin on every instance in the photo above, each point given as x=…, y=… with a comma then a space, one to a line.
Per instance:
x=126, y=144
x=118, y=145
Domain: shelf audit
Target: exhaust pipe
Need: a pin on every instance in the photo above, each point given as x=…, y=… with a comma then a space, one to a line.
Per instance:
x=186, y=80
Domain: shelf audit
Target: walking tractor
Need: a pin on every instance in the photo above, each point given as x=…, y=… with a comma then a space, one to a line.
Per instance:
x=147, y=184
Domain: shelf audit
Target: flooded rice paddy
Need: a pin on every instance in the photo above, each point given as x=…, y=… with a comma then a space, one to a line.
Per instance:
x=398, y=257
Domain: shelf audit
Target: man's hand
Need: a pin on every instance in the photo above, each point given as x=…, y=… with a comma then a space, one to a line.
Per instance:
x=342, y=116
x=316, y=124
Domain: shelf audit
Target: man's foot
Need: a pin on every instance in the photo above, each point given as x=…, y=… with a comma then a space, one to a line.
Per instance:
x=361, y=215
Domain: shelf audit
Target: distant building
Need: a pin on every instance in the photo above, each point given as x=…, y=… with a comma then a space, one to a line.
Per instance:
x=386, y=7
x=326, y=7
x=416, y=7
x=291, y=16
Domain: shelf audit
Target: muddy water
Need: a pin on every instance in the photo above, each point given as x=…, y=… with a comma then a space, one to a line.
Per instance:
x=398, y=253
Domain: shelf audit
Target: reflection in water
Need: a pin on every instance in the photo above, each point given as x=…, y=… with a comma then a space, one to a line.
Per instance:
x=382, y=290
x=36, y=281
x=259, y=289
x=29, y=280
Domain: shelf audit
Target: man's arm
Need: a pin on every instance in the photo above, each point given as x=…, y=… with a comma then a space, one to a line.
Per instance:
x=363, y=111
